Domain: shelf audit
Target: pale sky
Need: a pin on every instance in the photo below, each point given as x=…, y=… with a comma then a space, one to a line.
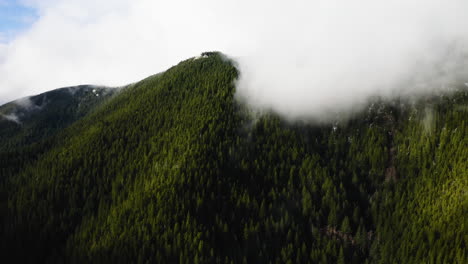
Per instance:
x=300, y=58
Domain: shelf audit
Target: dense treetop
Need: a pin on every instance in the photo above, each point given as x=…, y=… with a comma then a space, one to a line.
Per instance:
x=173, y=169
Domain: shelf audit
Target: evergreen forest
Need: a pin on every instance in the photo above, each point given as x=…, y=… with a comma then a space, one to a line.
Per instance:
x=175, y=169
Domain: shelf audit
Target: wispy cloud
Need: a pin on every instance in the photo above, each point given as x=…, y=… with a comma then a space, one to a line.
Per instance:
x=12, y=118
x=301, y=58
x=15, y=18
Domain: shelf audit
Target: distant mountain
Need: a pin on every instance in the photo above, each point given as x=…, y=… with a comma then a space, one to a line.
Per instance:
x=173, y=169
x=31, y=119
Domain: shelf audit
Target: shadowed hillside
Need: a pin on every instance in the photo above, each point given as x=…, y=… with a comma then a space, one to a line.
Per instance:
x=32, y=119
x=174, y=170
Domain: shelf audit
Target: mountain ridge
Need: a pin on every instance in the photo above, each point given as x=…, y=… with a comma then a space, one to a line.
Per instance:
x=27, y=120
x=175, y=169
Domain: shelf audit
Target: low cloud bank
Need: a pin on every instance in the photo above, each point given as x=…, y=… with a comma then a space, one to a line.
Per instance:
x=303, y=59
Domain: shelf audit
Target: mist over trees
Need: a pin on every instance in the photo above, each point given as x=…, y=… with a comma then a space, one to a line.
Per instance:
x=173, y=169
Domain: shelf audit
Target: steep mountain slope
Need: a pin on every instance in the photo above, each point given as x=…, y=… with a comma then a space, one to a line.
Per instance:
x=28, y=120
x=174, y=169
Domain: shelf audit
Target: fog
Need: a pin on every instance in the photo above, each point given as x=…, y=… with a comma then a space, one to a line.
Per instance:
x=303, y=59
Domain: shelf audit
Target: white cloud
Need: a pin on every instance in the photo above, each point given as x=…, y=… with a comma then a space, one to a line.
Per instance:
x=301, y=58
x=3, y=51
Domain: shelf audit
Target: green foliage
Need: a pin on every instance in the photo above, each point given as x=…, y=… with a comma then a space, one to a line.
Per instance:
x=42, y=116
x=173, y=169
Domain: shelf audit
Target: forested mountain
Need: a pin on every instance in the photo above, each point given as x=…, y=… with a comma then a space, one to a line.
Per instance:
x=173, y=169
x=28, y=120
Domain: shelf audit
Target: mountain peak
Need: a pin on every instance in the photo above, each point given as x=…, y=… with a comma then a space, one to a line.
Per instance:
x=174, y=168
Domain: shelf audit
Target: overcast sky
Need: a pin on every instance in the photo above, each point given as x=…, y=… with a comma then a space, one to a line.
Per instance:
x=298, y=57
